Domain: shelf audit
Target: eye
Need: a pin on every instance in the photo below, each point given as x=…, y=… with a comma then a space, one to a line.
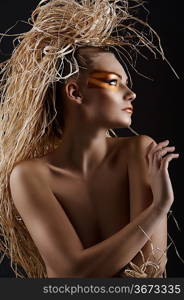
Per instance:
x=112, y=82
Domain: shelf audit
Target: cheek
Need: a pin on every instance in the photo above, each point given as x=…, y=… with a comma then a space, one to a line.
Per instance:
x=104, y=99
x=111, y=102
x=103, y=104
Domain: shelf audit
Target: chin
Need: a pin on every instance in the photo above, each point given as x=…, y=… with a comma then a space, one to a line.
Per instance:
x=119, y=123
x=123, y=124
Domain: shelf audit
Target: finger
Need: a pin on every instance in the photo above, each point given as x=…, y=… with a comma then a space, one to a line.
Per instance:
x=149, y=148
x=147, y=155
x=160, y=153
x=161, y=145
x=165, y=161
x=158, y=147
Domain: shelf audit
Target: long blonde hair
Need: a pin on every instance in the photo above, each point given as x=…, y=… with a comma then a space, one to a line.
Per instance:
x=29, y=125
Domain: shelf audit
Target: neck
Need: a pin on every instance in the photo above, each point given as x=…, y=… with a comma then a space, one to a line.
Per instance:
x=82, y=151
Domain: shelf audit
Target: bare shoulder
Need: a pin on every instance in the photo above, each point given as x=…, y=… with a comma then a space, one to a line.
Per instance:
x=140, y=143
x=121, y=142
x=34, y=168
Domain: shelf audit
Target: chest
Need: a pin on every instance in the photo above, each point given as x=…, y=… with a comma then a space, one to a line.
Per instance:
x=97, y=208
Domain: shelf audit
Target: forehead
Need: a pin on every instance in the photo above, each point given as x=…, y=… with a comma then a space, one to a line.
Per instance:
x=103, y=61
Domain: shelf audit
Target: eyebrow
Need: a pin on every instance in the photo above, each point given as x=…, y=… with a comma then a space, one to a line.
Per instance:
x=108, y=72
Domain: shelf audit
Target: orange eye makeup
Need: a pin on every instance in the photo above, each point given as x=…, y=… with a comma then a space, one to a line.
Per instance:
x=104, y=80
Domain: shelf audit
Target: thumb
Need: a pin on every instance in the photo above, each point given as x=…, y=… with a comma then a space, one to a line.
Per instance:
x=165, y=161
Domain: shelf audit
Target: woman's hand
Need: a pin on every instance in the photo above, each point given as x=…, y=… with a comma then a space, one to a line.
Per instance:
x=159, y=179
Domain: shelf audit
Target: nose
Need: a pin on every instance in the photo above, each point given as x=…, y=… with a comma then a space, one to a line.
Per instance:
x=129, y=95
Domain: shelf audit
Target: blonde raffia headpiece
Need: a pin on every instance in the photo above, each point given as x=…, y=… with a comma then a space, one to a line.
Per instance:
x=44, y=55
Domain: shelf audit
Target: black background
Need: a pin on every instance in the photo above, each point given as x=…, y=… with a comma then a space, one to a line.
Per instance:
x=158, y=106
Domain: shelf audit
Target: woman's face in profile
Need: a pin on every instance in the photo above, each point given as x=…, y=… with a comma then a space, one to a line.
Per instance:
x=106, y=92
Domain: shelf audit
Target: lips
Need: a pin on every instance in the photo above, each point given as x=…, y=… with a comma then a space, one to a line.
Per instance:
x=128, y=109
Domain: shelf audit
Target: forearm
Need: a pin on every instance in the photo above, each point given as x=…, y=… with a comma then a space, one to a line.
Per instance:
x=154, y=252
x=154, y=249
x=109, y=256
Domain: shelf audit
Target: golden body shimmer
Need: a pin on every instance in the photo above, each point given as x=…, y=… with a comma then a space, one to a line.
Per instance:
x=54, y=126
x=73, y=218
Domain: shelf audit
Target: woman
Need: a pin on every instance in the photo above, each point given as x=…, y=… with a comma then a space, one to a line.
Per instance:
x=76, y=205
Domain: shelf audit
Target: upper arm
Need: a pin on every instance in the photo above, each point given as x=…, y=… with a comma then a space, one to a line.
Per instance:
x=140, y=190
x=45, y=219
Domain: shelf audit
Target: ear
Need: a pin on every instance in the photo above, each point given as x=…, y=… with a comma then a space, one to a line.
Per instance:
x=72, y=91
